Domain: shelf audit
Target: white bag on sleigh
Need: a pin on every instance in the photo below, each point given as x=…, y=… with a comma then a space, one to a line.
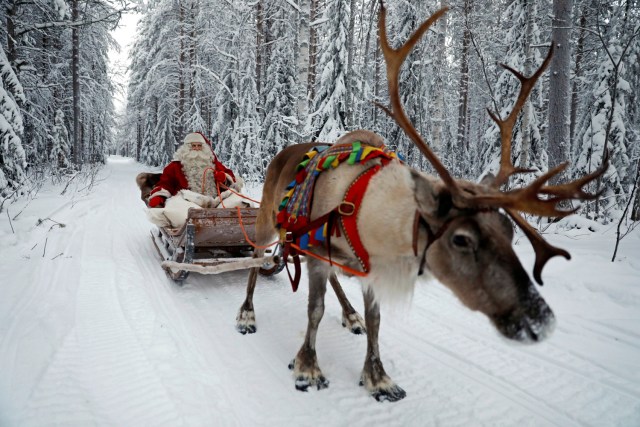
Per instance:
x=176, y=208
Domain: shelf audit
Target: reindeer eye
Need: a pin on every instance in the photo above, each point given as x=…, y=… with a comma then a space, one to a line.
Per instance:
x=461, y=241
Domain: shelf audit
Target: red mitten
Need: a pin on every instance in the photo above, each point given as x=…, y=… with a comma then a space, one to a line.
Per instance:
x=220, y=177
x=156, y=202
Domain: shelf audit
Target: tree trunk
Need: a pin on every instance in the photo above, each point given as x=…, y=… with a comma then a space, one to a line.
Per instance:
x=10, y=11
x=350, y=47
x=377, y=71
x=75, y=76
x=438, y=119
x=463, y=86
x=303, y=63
x=181, y=73
x=259, y=42
x=139, y=137
x=527, y=109
x=635, y=210
x=372, y=77
x=577, y=74
x=313, y=49
x=193, y=51
x=559, y=86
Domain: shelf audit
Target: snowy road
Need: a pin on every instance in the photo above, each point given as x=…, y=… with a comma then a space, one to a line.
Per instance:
x=92, y=332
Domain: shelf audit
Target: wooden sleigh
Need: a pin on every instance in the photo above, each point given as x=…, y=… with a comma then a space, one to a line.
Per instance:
x=213, y=241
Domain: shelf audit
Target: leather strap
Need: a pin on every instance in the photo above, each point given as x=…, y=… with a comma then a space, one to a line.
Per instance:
x=347, y=211
x=353, y=199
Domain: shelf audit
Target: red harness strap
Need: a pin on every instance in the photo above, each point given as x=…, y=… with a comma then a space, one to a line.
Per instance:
x=352, y=199
x=348, y=214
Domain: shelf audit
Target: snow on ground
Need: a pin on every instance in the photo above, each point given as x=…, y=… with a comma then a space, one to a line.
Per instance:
x=92, y=332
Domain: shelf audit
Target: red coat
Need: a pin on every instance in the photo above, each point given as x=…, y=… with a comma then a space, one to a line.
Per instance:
x=174, y=180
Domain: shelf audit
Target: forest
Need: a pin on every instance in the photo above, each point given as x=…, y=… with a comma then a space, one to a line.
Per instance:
x=257, y=76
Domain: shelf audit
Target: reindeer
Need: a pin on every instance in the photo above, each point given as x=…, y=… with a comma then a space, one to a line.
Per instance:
x=409, y=221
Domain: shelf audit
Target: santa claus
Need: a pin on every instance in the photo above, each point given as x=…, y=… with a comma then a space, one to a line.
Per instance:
x=191, y=181
x=194, y=167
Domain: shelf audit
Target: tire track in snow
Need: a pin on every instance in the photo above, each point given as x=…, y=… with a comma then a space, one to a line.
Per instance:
x=172, y=338
x=262, y=358
x=37, y=321
x=101, y=359
x=556, y=355
x=527, y=375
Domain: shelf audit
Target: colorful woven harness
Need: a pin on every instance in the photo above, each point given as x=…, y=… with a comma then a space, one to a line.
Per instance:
x=293, y=219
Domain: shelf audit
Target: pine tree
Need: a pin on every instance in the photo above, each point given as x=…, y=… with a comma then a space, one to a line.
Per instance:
x=592, y=146
x=60, y=145
x=528, y=148
x=279, y=122
x=12, y=156
x=605, y=125
x=328, y=119
x=411, y=82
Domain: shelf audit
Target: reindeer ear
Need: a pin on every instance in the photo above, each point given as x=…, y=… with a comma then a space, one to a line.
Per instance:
x=433, y=198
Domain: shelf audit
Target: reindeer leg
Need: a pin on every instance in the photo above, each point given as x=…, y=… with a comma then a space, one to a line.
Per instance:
x=374, y=378
x=350, y=317
x=246, y=318
x=305, y=365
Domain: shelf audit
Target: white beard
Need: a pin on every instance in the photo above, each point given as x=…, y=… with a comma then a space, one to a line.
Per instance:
x=194, y=163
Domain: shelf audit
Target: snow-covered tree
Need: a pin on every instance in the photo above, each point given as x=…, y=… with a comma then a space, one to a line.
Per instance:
x=606, y=130
x=60, y=145
x=528, y=147
x=414, y=75
x=12, y=156
x=328, y=116
x=606, y=122
x=280, y=121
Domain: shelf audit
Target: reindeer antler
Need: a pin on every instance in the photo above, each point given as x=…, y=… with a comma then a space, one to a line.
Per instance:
x=527, y=199
x=506, y=126
x=394, y=59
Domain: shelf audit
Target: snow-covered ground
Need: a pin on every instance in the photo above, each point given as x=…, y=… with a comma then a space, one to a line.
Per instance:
x=92, y=332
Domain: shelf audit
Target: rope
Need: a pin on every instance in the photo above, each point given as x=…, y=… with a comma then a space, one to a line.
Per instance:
x=331, y=262
x=238, y=194
x=246, y=236
x=218, y=185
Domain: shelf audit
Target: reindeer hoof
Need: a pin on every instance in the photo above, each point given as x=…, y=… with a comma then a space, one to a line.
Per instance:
x=246, y=322
x=384, y=389
x=308, y=378
x=246, y=329
x=392, y=394
x=303, y=383
x=354, y=323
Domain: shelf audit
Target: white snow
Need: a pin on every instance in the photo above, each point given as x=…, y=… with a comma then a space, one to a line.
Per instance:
x=92, y=332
